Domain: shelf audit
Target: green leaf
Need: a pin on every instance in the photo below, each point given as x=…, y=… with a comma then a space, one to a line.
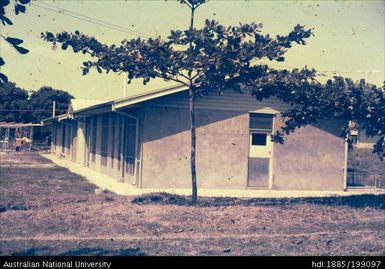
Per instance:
x=24, y=2
x=19, y=8
x=5, y=20
x=3, y=78
x=4, y=3
x=14, y=41
x=64, y=46
x=1, y=61
x=21, y=50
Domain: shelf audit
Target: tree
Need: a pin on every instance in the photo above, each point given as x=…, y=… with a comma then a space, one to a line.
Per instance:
x=209, y=59
x=14, y=104
x=41, y=102
x=213, y=58
x=340, y=98
x=17, y=106
x=19, y=7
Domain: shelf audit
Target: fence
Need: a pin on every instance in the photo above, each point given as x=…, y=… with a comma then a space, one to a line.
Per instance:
x=11, y=145
x=358, y=178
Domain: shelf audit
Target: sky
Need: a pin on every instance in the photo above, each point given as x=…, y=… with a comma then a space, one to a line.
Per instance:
x=349, y=37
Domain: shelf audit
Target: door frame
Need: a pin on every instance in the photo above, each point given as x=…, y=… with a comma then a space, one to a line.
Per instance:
x=133, y=179
x=266, y=110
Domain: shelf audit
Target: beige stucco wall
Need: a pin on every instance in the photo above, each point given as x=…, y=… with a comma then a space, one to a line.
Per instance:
x=313, y=158
x=310, y=159
x=81, y=143
x=222, y=147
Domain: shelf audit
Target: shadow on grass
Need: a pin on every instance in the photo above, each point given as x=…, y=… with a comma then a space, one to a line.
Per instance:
x=103, y=252
x=30, y=252
x=84, y=252
x=357, y=201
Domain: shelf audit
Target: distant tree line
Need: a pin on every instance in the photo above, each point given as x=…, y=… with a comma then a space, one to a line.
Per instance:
x=17, y=105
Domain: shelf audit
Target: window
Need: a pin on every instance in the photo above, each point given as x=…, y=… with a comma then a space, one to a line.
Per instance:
x=262, y=122
x=258, y=139
x=112, y=140
x=88, y=140
x=130, y=145
x=63, y=138
x=104, y=148
x=68, y=140
x=54, y=134
x=93, y=139
x=120, y=129
x=74, y=129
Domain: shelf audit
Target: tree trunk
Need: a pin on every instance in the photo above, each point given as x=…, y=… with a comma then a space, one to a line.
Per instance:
x=194, y=197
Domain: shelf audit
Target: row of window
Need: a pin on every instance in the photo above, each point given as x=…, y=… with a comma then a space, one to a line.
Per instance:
x=127, y=133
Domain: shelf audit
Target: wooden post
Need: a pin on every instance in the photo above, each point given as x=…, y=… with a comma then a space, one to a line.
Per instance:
x=7, y=136
x=31, y=134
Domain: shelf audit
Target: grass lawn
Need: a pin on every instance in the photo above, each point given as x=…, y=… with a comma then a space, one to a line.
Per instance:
x=46, y=210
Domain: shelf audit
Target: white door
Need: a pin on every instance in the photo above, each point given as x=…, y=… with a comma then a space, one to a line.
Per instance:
x=259, y=159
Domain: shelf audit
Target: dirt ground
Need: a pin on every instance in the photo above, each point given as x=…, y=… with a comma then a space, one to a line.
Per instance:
x=46, y=210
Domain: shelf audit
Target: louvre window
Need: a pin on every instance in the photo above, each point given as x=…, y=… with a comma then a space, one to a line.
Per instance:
x=68, y=140
x=130, y=145
x=261, y=122
x=93, y=139
x=112, y=140
x=63, y=138
x=104, y=148
x=120, y=129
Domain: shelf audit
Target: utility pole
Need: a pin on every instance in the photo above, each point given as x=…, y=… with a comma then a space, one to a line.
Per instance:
x=125, y=82
x=53, y=108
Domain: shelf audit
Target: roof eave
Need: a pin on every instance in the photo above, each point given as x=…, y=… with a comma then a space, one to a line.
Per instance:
x=99, y=108
x=49, y=120
x=128, y=101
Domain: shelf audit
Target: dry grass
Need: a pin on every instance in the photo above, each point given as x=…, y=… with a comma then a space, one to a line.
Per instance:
x=50, y=211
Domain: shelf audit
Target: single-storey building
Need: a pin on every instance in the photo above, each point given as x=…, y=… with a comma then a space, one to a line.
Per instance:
x=362, y=141
x=144, y=140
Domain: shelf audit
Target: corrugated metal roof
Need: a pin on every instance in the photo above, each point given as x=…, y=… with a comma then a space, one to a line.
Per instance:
x=135, y=99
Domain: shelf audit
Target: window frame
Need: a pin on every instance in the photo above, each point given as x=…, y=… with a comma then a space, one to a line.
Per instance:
x=104, y=141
